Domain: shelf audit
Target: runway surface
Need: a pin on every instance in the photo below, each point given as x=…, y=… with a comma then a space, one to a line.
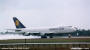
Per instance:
x=14, y=41
x=16, y=36
x=47, y=43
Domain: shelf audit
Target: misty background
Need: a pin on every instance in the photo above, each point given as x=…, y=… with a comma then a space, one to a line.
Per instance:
x=45, y=13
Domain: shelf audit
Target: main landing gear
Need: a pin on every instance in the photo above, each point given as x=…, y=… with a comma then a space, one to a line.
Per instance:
x=45, y=36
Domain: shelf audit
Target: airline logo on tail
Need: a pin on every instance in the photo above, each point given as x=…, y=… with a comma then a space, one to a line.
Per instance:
x=17, y=23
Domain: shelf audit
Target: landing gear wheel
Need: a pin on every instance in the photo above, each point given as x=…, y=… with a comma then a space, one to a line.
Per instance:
x=50, y=36
x=69, y=36
x=44, y=36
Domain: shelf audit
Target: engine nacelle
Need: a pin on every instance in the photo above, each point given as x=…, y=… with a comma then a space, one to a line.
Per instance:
x=26, y=33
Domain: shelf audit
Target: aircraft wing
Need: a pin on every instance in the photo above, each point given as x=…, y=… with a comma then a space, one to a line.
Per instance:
x=14, y=29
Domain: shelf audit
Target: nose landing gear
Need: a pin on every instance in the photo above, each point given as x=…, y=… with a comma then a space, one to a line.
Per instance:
x=69, y=35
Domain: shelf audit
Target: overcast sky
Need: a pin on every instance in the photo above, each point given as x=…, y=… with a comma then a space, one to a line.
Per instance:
x=45, y=13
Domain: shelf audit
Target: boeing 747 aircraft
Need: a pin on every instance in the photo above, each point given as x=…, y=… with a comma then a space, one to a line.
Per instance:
x=43, y=32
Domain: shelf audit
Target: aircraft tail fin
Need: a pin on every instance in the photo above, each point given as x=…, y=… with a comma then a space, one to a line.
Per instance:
x=18, y=24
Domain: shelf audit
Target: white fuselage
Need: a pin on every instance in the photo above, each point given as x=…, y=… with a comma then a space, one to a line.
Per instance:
x=65, y=29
